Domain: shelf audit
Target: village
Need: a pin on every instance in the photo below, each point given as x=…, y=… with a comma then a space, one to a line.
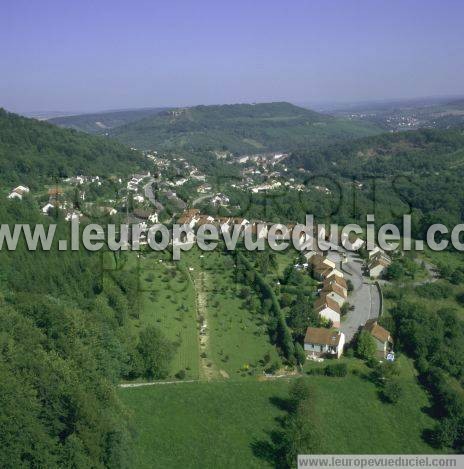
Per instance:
x=348, y=298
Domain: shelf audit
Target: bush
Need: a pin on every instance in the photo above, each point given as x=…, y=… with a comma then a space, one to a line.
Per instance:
x=392, y=391
x=434, y=290
x=336, y=369
x=275, y=365
x=349, y=353
x=372, y=362
x=181, y=374
x=365, y=346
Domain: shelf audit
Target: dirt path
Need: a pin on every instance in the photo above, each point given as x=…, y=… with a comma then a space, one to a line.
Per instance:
x=262, y=378
x=156, y=383
x=208, y=370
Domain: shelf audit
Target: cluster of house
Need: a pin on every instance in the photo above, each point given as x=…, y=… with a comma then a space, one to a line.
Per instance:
x=194, y=219
x=378, y=262
x=332, y=296
x=322, y=342
x=133, y=184
x=54, y=196
x=262, y=158
x=79, y=180
x=266, y=187
x=334, y=292
x=204, y=188
x=220, y=199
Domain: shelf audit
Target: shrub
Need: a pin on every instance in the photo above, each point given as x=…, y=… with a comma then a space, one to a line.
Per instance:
x=181, y=374
x=336, y=369
x=275, y=365
x=349, y=353
x=365, y=346
x=434, y=290
x=392, y=391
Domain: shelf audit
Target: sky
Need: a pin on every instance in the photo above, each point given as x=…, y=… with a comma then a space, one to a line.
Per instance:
x=59, y=55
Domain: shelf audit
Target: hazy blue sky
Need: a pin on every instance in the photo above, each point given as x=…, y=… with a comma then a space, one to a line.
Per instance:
x=100, y=54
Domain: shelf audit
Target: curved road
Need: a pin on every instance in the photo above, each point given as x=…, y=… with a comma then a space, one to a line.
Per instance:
x=200, y=199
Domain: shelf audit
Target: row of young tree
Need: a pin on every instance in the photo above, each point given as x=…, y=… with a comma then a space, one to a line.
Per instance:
x=279, y=331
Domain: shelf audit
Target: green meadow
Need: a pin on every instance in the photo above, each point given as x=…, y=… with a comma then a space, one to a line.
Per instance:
x=236, y=335
x=229, y=423
x=168, y=302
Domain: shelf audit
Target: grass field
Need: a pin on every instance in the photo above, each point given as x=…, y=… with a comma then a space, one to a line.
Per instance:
x=228, y=423
x=237, y=335
x=169, y=303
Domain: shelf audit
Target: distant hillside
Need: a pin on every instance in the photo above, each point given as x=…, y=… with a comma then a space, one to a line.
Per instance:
x=239, y=128
x=32, y=152
x=438, y=113
x=425, y=150
x=103, y=121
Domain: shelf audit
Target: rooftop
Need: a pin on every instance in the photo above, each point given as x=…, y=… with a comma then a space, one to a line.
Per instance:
x=322, y=336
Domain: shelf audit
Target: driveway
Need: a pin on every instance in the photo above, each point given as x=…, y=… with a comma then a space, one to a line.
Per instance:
x=365, y=297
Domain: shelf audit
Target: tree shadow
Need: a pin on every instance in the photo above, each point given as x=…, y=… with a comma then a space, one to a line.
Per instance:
x=281, y=403
x=272, y=449
x=430, y=437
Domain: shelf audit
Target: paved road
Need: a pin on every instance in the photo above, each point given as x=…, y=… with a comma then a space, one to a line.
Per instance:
x=149, y=194
x=365, y=295
x=200, y=199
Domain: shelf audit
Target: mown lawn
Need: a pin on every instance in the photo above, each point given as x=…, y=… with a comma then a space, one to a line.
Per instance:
x=228, y=423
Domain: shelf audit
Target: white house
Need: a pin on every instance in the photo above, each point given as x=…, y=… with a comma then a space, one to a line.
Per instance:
x=138, y=198
x=378, y=265
x=220, y=199
x=190, y=217
x=181, y=182
x=18, y=192
x=328, y=309
x=375, y=252
x=337, y=284
x=334, y=273
x=319, y=341
x=153, y=218
x=381, y=336
x=336, y=292
x=70, y=216
x=46, y=208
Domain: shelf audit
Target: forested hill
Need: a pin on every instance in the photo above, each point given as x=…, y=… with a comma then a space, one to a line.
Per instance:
x=102, y=121
x=426, y=150
x=240, y=128
x=32, y=152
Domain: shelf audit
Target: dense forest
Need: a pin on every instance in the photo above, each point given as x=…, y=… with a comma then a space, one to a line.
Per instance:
x=417, y=172
x=32, y=152
x=239, y=128
x=425, y=150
